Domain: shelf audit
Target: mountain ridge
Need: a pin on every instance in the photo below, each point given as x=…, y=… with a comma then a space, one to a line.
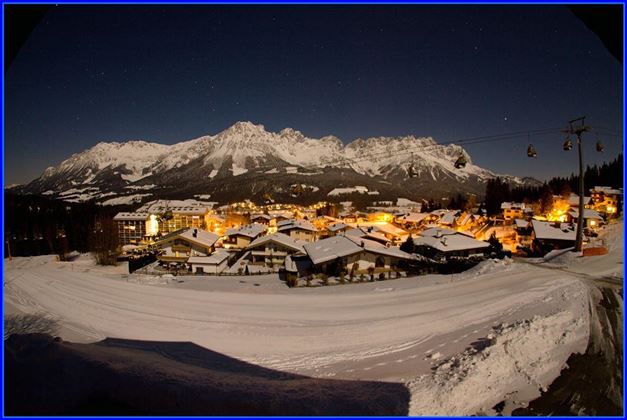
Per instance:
x=268, y=162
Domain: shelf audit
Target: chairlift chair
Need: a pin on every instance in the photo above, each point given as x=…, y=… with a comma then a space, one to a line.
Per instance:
x=461, y=162
x=600, y=147
x=531, y=151
x=411, y=171
x=568, y=144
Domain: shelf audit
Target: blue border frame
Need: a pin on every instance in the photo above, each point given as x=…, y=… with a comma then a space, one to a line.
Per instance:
x=321, y=2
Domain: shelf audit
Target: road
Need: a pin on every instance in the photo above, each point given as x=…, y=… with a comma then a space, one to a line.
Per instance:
x=382, y=330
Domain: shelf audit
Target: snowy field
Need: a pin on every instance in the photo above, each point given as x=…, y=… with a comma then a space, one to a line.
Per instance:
x=501, y=331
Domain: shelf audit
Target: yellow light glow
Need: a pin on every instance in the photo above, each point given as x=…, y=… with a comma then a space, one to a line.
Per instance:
x=558, y=213
x=593, y=222
x=152, y=225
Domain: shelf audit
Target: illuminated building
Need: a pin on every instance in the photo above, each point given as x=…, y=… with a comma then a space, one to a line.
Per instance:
x=178, y=246
x=271, y=250
x=513, y=211
x=607, y=200
x=241, y=237
x=131, y=227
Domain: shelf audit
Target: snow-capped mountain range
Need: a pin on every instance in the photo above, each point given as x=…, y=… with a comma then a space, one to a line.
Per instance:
x=246, y=161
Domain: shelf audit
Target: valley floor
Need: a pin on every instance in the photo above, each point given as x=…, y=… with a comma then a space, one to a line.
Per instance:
x=501, y=331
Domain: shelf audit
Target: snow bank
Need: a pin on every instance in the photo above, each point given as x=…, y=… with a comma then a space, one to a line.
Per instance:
x=562, y=257
x=512, y=362
x=149, y=280
x=488, y=266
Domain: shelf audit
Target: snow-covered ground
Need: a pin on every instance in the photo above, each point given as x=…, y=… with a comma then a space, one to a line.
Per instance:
x=461, y=344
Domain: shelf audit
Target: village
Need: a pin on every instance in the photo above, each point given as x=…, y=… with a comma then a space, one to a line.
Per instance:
x=328, y=243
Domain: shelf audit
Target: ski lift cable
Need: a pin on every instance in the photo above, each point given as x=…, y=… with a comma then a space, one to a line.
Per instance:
x=402, y=152
x=472, y=140
x=606, y=129
x=606, y=132
x=461, y=142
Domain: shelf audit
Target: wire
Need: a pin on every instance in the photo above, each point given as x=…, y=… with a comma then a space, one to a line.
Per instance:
x=466, y=141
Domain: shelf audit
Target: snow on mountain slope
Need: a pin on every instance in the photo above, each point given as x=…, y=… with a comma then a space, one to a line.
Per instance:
x=134, y=155
x=248, y=149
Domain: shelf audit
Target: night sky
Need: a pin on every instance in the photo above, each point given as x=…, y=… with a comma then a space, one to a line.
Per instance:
x=167, y=74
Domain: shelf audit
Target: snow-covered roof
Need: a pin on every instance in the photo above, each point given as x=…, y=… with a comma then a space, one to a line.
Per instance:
x=464, y=218
x=214, y=259
x=521, y=223
x=439, y=212
x=383, y=227
x=279, y=238
x=587, y=214
x=251, y=231
x=413, y=217
x=377, y=236
x=198, y=236
x=449, y=243
x=506, y=205
x=356, y=232
x=437, y=231
x=331, y=248
x=337, y=226
x=573, y=200
x=329, y=219
x=546, y=230
x=288, y=214
x=131, y=216
x=377, y=248
x=607, y=190
x=448, y=218
x=263, y=216
x=297, y=224
x=341, y=246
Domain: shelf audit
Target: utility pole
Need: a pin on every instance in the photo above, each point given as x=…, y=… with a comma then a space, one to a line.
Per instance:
x=578, y=127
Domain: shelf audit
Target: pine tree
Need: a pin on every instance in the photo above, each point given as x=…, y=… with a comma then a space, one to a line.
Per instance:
x=408, y=245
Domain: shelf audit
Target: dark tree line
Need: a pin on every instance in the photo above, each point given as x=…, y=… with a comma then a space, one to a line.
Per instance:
x=36, y=225
x=497, y=191
x=609, y=174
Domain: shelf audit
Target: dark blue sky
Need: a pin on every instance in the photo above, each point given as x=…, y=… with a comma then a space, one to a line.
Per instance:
x=168, y=74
